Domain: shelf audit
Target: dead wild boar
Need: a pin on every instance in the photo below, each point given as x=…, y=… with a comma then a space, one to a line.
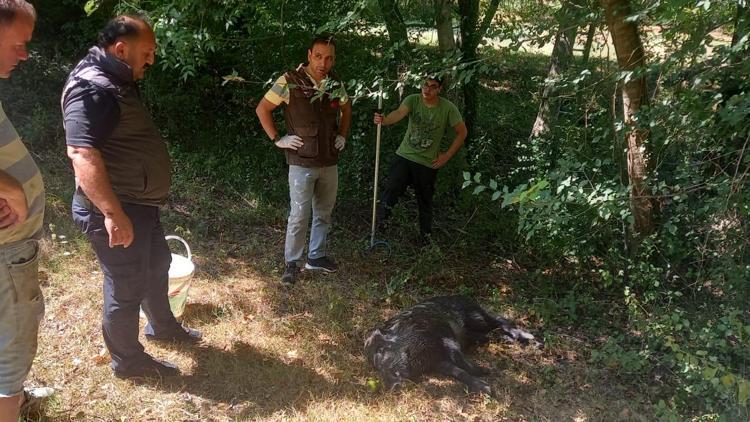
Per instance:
x=429, y=338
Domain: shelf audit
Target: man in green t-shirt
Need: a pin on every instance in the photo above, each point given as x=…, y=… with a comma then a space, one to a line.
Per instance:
x=418, y=158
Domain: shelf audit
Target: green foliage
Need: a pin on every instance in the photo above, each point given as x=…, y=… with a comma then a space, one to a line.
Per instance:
x=672, y=306
x=614, y=356
x=685, y=287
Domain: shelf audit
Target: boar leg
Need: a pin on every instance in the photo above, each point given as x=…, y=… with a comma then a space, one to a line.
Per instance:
x=476, y=385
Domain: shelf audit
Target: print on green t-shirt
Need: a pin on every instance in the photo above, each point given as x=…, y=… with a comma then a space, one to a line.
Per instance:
x=427, y=128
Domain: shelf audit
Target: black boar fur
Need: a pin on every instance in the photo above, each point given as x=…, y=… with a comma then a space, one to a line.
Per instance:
x=429, y=338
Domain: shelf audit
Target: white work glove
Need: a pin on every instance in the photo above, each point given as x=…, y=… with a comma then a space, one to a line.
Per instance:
x=290, y=142
x=340, y=142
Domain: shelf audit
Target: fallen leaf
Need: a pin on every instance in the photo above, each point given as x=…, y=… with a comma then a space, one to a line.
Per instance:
x=101, y=359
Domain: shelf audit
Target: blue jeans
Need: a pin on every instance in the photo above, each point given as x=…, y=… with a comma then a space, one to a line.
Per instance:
x=310, y=189
x=21, y=311
x=134, y=277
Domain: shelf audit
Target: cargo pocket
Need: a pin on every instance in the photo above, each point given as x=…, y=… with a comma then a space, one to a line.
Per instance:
x=309, y=135
x=24, y=271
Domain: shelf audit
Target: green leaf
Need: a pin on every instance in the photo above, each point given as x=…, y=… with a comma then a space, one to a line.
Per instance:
x=709, y=373
x=479, y=189
x=91, y=6
x=509, y=199
x=743, y=392
x=496, y=195
x=727, y=380
x=478, y=177
x=467, y=175
x=493, y=184
x=705, y=4
x=466, y=184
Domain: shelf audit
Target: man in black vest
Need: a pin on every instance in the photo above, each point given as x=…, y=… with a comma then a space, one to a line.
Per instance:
x=318, y=114
x=122, y=170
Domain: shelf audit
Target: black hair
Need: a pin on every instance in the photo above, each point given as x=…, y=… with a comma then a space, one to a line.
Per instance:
x=323, y=38
x=9, y=10
x=435, y=76
x=124, y=26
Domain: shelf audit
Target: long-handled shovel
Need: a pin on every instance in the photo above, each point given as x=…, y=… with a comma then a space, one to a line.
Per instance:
x=381, y=247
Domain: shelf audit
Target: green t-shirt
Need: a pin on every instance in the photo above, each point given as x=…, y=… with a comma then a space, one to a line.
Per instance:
x=427, y=127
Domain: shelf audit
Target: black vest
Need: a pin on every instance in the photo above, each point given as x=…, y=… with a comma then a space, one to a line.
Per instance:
x=135, y=154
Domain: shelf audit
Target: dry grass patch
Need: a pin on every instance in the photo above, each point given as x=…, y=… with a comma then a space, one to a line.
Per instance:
x=273, y=353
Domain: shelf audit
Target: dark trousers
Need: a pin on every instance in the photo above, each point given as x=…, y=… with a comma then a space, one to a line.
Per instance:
x=402, y=174
x=134, y=277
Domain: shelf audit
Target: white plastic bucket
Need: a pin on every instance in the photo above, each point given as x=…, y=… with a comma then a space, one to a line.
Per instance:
x=180, y=272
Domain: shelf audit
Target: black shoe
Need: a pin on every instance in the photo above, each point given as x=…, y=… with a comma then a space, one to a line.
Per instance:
x=323, y=263
x=182, y=334
x=150, y=368
x=291, y=271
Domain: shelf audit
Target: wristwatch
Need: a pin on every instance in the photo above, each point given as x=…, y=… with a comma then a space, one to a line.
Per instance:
x=276, y=138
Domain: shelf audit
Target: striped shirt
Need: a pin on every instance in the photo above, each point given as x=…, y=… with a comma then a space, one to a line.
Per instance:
x=16, y=161
x=279, y=92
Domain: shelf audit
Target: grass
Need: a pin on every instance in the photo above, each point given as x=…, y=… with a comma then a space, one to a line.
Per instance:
x=276, y=354
x=273, y=353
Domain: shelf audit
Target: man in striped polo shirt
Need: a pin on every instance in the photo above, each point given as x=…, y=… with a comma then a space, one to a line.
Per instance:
x=21, y=215
x=317, y=113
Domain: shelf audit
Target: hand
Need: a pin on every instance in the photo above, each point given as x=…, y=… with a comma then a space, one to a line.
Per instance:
x=440, y=160
x=7, y=216
x=378, y=119
x=289, y=142
x=119, y=228
x=340, y=142
x=17, y=208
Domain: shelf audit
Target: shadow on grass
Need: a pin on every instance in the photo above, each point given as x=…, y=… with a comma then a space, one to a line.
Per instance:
x=257, y=383
x=205, y=313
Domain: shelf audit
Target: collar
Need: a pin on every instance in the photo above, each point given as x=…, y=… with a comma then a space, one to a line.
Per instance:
x=303, y=68
x=430, y=106
x=111, y=65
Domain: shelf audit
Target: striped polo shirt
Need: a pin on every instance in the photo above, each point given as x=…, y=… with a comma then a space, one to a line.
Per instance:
x=279, y=92
x=17, y=162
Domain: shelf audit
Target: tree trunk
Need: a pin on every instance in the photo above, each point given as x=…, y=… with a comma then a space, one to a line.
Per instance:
x=741, y=23
x=444, y=25
x=630, y=57
x=562, y=53
x=396, y=27
x=589, y=42
x=472, y=33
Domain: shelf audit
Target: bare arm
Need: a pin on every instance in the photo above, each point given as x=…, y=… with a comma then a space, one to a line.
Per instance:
x=264, y=110
x=93, y=179
x=457, y=143
x=14, y=208
x=346, y=118
x=393, y=117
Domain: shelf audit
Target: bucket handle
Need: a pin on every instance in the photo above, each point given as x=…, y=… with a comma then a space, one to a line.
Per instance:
x=187, y=247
